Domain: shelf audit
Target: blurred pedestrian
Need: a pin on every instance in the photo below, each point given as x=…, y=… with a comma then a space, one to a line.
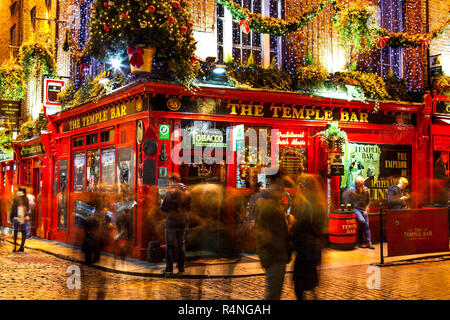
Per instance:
x=19, y=210
x=272, y=239
x=310, y=223
x=176, y=205
x=358, y=196
x=91, y=243
x=31, y=210
x=251, y=215
x=397, y=195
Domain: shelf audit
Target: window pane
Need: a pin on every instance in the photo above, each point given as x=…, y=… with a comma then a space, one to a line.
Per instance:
x=78, y=177
x=236, y=33
x=92, y=170
x=108, y=165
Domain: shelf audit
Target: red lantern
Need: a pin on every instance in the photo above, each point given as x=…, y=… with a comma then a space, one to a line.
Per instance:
x=171, y=19
x=176, y=4
x=151, y=9
x=190, y=25
x=107, y=28
x=184, y=29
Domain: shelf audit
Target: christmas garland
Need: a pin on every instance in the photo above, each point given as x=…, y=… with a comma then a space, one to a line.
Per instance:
x=402, y=39
x=355, y=23
x=270, y=25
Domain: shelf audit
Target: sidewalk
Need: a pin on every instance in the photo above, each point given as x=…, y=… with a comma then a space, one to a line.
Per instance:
x=247, y=265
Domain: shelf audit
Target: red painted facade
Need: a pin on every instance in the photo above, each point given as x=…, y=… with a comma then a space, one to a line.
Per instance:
x=111, y=114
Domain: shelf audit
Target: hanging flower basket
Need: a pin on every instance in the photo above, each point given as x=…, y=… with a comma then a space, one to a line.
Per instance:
x=141, y=58
x=333, y=138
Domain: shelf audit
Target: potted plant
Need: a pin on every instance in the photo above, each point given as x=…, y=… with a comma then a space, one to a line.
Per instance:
x=142, y=29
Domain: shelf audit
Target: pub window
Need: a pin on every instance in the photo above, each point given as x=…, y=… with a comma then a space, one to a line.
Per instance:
x=108, y=169
x=92, y=170
x=12, y=33
x=243, y=44
x=79, y=174
x=107, y=136
x=92, y=139
x=78, y=142
x=207, y=138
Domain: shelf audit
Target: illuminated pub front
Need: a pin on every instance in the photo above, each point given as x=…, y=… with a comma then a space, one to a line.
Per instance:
x=131, y=139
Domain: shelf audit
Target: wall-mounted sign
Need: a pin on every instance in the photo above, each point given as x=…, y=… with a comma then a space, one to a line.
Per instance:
x=9, y=108
x=208, y=139
x=441, y=143
x=380, y=165
x=164, y=131
x=32, y=150
x=51, y=89
x=237, y=108
x=110, y=113
x=173, y=104
x=295, y=139
x=337, y=163
x=435, y=65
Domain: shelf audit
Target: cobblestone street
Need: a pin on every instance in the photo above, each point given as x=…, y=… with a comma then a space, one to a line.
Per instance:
x=40, y=276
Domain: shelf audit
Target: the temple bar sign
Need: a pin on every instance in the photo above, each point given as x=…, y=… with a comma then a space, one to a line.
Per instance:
x=107, y=114
x=293, y=112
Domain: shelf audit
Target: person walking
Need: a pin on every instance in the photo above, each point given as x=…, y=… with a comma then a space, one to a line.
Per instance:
x=397, y=196
x=272, y=238
x=176, y=205
x=19, y=210
x=310, y=223
x=32, y=207
x=358, y=196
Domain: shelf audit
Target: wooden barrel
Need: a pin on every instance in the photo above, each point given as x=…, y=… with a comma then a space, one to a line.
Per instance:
x=342, y=230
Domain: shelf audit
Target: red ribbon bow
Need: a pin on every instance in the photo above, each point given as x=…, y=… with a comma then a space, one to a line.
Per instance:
x=136, y=59
x=244, y=25
x=300, y=35
x=425, y=43
x=381, y=42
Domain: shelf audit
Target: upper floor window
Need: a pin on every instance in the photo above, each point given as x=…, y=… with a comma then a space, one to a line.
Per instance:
x=12, y=34
x=232, y=40
x=13, y=8
x=33, y=17
x=392, y=19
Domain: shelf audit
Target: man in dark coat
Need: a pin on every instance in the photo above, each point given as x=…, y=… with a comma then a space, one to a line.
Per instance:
x=175, y=206
x=397, y=195
x=19, y=210
x=272, y=238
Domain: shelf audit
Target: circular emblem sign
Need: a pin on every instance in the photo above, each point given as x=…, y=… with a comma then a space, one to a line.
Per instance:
x=139, y=105
x=173, y=104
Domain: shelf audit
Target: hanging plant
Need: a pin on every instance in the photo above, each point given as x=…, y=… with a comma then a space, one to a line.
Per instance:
x=333, y=137
x=38, y=56
x=355, y=24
